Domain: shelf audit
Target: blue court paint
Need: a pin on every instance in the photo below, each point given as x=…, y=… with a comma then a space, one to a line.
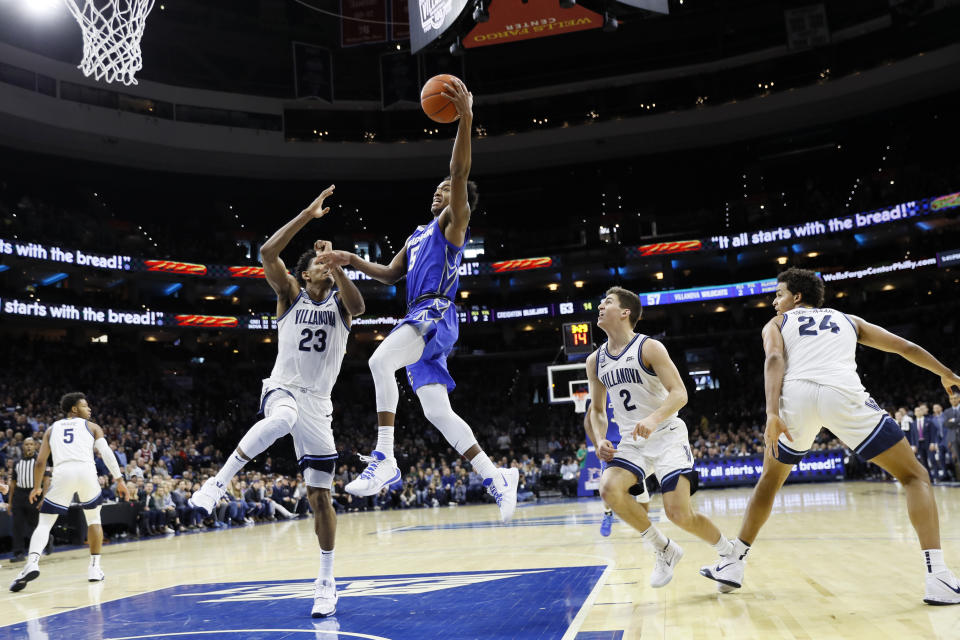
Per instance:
x=488, y=605
x=599, y=635
x=545, y=521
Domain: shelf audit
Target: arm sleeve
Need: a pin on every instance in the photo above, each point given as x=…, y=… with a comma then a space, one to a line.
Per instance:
x=108, y=458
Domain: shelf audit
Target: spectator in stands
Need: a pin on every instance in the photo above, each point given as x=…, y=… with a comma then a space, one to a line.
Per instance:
x=459, y=493
x=951, y=422
x=408, y=498
x=569, y=474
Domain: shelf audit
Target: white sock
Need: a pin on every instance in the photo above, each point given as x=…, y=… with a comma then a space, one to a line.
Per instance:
x=94, y=559
x=933, y=558
x=483, y=465
x=230, y=468
x=655, y=537
x=608, y=511
x=33, y=556
x=723, y=546
x=385, y=441
x=740, y=549
x=326, y=565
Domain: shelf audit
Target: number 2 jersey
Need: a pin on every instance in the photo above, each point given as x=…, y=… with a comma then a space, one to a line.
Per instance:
x=634, y=390
x=311, y=340
x=820, y=346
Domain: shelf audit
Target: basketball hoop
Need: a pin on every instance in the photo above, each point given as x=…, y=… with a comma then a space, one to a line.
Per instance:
x=111, y=37
x=580, y=401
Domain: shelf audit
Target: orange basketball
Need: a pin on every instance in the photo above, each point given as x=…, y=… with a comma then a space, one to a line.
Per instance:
x=436, y=106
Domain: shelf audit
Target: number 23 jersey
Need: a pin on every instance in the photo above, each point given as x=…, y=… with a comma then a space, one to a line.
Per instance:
x=311, y=340
x=820, y=346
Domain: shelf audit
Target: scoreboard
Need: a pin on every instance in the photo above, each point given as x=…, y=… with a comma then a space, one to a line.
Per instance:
x=577, y=337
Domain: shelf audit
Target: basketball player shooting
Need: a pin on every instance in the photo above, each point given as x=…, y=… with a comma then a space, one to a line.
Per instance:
x=811, y=380
x=647, y=391
x=315, y=308
x=425, y=337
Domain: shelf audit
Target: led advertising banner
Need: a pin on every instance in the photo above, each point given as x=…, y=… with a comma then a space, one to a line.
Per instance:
x=513, y=21
x=816, y=466
x=854, y=222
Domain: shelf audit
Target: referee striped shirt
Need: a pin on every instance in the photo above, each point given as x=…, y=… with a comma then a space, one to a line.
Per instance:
x=23, y=473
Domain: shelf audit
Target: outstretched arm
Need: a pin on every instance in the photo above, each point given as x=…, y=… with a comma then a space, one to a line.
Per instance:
x=387, y=274
x=655, y=354
x=456, y=217
x=877, y=337
x=595, y=422
x=284, y=284
x=350, y=295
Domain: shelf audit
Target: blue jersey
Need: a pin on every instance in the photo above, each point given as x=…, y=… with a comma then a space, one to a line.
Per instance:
x=433, y=263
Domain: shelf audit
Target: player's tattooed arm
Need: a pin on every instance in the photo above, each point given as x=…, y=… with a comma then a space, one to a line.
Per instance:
x=877, y=337
x=655, y=357
x=773, y=368
x=284, y=284
x=595, y=422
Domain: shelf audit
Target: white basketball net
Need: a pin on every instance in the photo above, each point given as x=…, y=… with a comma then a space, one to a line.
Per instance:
x=580, y=401
x=111, y=37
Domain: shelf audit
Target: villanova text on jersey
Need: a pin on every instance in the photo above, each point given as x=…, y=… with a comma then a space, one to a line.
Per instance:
x=315, y=316
x=621, y=376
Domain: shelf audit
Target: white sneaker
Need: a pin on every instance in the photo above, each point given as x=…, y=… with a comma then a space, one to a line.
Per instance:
x=942, y=588
x=728, y=572
x=94, y=574
x=380, y=472
x=28, y=573
x=208, y=495
x=324, y=598
x=503, y=487
x=667, y=559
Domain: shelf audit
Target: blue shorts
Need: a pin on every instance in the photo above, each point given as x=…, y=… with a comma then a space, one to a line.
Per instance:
x=436, y=321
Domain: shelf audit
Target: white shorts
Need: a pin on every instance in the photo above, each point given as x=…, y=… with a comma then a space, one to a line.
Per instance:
x=72, y=478
x=851, y=415
x=313, y=432
x=665, y=453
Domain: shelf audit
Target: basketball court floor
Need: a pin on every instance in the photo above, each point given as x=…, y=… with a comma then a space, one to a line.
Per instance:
x=835, y=561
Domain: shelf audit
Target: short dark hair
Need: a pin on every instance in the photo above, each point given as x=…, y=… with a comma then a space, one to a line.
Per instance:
x=629, y=301
x=70, y=400
x=303, y=263
x=473, y=194
x=805, y=282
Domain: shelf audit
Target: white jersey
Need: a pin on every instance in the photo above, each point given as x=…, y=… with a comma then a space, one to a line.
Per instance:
x=634, y=390
x=311, y=340
x=71, y=441
x=820, y=346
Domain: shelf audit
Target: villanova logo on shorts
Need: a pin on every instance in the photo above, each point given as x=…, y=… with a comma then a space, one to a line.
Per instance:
x=433, y=13
x=541, y=602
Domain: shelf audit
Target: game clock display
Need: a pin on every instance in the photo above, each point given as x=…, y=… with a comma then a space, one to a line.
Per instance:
x=577, y=337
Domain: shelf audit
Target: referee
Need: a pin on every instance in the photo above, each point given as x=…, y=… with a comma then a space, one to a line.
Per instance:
x=24, y=514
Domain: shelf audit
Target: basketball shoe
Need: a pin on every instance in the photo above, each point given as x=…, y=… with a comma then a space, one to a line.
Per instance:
x=29, y=572
x=942, y=588
x=667, y=559
x=728, y=572
x=95, y=574
x=208, y=496
x=607, y=523
x=380, y=472
x=324, y=598
x=503, y=487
